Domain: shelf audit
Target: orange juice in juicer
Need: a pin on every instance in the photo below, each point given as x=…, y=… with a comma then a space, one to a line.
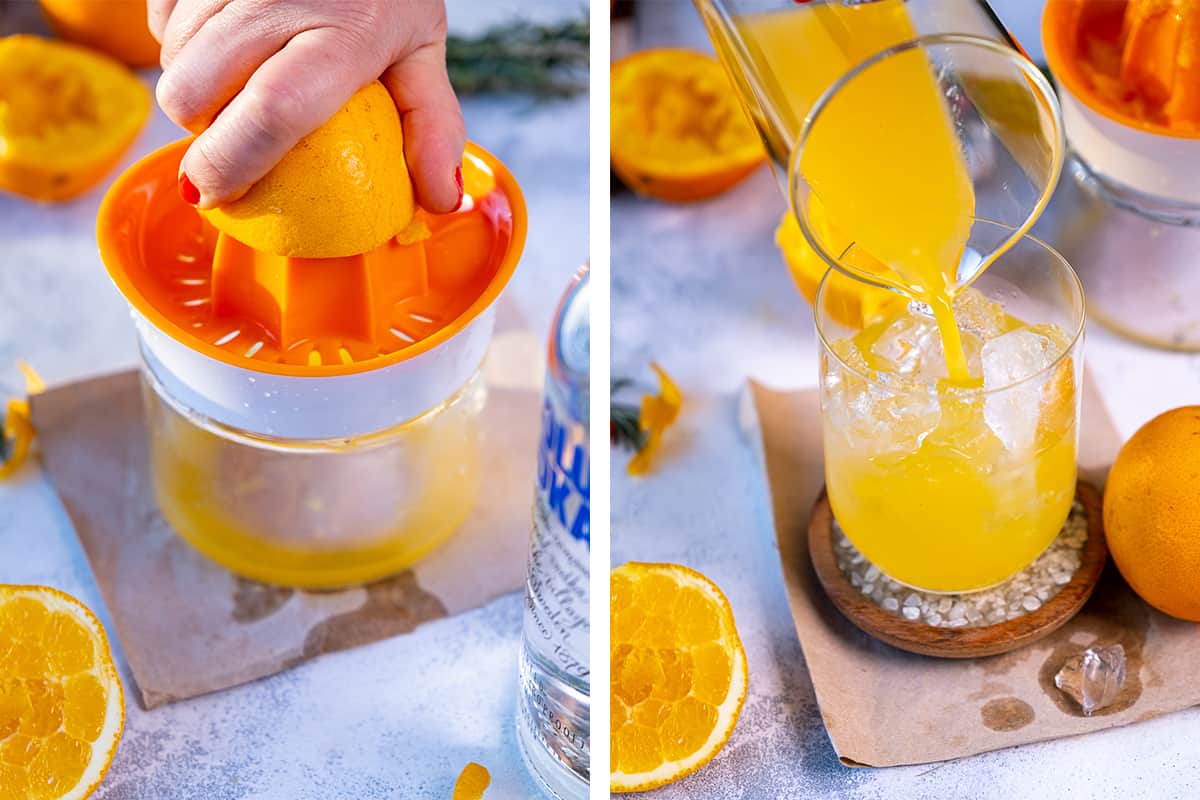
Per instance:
x=312, y=422
x=1128, y=210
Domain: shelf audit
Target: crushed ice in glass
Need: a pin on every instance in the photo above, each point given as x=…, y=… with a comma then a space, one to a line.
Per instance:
x=898, y=405
x=910, y=345
x=1093, y=678
x=978, y=315
x=1007, y=360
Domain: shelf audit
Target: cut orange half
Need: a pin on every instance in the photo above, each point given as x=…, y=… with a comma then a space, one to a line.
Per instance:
x=61, y=704
x=679, y=674
x=67, y=116
x=678, y=131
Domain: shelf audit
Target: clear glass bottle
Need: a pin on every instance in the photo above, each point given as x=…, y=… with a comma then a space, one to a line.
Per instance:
x=553, y=709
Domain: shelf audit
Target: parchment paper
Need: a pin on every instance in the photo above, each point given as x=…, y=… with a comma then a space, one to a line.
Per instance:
x=188, y=626
x=883, y=706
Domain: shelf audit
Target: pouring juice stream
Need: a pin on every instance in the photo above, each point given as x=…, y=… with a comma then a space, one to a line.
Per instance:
x=906, y=194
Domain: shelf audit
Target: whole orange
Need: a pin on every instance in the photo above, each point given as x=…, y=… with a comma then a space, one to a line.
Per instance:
x=1152, y=512
x=115, y=27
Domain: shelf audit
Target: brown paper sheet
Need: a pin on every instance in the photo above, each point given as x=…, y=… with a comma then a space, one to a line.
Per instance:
x=188, y=626
x=885, y=707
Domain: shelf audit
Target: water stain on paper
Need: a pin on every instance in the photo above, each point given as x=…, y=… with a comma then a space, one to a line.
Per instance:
x=253, y=601
x=1004, y=663
x=1006, y=714
x=990, y=689
x=396, y=605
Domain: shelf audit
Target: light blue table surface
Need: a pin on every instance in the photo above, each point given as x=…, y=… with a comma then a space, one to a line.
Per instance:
x=397, y=719
x=702, y=289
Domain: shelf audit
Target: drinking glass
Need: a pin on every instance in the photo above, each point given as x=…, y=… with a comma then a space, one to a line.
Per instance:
x=943, y=487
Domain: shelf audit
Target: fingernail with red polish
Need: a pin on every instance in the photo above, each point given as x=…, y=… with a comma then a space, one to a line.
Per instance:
x=188, y=190
x=458, y=179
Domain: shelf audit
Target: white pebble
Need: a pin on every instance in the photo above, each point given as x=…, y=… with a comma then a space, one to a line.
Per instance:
x=1023, y=593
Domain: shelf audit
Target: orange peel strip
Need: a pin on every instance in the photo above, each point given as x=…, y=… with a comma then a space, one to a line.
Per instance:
x=658, y=413
x=17, y=429
x=472, y=782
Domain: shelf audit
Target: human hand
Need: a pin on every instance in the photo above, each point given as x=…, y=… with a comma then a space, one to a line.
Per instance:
x=253, y=77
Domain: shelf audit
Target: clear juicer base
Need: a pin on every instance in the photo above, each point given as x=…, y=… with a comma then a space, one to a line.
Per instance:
x=316, y=514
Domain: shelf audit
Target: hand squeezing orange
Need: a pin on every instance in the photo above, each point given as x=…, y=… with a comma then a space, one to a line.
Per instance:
x=343, y=190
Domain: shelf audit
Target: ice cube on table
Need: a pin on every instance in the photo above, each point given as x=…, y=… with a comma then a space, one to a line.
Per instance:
x=1093, y=678
x=1012, y=407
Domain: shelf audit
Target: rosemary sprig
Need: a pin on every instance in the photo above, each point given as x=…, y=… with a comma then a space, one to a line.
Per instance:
x=624, y=428
x=545, y=60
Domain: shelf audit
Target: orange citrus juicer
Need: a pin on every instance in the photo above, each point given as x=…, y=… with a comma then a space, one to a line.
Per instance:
x=1131, y=74
x=299, y=348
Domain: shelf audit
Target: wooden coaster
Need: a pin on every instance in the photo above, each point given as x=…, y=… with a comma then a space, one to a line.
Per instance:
x=964, y=642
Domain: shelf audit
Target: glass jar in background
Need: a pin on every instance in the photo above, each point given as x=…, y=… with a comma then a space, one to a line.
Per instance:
x=782, y=55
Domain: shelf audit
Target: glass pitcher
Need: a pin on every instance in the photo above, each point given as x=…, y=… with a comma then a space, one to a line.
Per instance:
x=782, y=55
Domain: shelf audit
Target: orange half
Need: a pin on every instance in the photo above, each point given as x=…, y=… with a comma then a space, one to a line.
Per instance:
x=678, y=130
x=679, y=674
x=61, y=703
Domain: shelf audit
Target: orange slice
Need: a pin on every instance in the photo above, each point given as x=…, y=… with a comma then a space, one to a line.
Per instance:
x=679, y=674
x=678, y=131
x=61, y=703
